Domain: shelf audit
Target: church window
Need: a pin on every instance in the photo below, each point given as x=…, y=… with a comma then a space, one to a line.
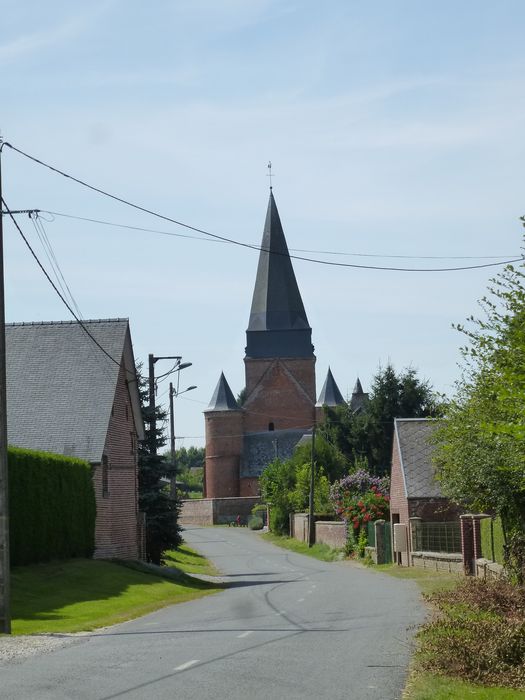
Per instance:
x=271, y=426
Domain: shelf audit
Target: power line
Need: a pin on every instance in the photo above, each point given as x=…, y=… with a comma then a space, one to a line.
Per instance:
x=298, y=250
x=249, y=245
x=64, y=301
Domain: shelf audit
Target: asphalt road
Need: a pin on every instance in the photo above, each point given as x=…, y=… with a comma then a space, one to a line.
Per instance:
x=288, y=626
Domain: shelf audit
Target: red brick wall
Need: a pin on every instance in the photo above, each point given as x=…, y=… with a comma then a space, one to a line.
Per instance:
x=224, y=432
x=250, y=486
x=281, y=392
x=116, y=529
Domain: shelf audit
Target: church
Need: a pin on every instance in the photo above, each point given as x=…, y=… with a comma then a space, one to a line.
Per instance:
x=279, y=400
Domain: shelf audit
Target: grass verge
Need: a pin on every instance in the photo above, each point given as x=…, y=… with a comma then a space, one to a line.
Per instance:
x=429, y=581
x=318, y=551
x=83, y=594
x=429, y=687
x=189, y=561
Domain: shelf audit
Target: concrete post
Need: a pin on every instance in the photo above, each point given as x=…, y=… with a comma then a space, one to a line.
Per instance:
x=381, y=544
x=416, y=534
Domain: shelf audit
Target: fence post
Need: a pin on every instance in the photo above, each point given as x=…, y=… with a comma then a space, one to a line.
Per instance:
x=467, y=543
x=416, y=532
x=379, y=529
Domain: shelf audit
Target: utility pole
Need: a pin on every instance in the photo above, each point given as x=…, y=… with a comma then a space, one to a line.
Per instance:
x=172, y=427
x=152, y=415
x=5, y=613
x=311, y=522
x=175, y=393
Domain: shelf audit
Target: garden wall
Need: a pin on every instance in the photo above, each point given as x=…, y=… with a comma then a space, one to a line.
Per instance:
x=438, y=561
x=216, y=511
x=331, y=533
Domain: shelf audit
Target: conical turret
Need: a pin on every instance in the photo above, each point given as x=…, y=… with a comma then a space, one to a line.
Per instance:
x=223, y=398
x=359, y=398
x=330, y=394
x=278, y=325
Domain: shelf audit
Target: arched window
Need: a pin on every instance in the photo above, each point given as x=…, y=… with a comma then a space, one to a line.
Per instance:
x=271, y=426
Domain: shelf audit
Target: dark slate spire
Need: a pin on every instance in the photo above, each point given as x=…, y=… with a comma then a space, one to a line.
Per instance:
x=359, y=398
x=278, y=326
x=222, y=399
x=330, y=394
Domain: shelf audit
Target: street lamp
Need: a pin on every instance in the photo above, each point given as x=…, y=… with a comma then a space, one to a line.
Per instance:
x=173, y=394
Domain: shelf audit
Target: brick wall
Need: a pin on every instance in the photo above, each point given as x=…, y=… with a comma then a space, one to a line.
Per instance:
x=249, y=486
x=281, y=392
x=116, y=528
x=216, y=511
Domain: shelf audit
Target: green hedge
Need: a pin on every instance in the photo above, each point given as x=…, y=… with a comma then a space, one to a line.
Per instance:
x=499, y=540
x=51, y=507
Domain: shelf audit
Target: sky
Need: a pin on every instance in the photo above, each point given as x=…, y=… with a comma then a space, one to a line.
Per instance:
x=393, y=128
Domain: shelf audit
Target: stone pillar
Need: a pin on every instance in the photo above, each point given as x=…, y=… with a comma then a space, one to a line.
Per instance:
x=467, y=543
x=381, y=544
x=416, y=534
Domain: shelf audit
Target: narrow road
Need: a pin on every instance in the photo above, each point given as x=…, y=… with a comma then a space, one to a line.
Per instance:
x=288, y=626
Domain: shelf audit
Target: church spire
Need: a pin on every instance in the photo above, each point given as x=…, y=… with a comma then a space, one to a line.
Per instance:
x=278, y=325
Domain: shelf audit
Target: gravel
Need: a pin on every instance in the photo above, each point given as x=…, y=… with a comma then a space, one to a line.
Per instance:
x=17, y=648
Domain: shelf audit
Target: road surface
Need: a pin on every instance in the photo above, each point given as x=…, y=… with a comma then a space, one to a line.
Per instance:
x=288, y=626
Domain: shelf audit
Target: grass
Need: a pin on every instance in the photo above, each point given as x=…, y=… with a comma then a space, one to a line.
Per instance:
x=83, y=594
x=429, y=687
x=428, y=580
x=189, y=561
x=318, y=551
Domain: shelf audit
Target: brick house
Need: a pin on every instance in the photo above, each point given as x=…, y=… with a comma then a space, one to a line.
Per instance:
x=414, y=491
x=280, y=395
x=64, y=395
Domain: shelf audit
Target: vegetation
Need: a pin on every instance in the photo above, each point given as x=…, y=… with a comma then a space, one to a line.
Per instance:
x=492, y=539
x=478, y=634
x=286, y=484
x=52, y=507
x=255, y=523
x=428, y=686
x=83, y=594
x=365, y=438
x=188, y=560
x=155, y=500
x=480, y=452
x=190, y=471
x=318, y=551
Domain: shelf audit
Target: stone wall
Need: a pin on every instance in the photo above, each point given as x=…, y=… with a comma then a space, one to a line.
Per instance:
x=438, y=561
x=299, y=527
x=331, y=533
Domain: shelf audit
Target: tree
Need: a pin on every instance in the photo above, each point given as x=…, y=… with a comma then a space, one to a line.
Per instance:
x=368, y=434
x=161, y=509
x=480, y=449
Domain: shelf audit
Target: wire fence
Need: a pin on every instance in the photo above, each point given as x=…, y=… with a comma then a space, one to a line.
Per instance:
x=436, y=537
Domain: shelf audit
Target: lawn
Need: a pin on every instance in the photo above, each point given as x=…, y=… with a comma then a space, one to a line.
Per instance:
x=428, y=580
x=318, y=551
x=83, y=594
x=190, y=561
x=429, y=687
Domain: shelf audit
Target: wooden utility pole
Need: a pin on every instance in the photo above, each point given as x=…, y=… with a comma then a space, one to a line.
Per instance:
x=5, y=613
x=152, y=412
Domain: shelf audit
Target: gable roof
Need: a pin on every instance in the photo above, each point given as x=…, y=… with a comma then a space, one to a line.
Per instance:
x=330, y=394
x=415, y=453
x=223, y=398
x=61, y=386
x=278, y=326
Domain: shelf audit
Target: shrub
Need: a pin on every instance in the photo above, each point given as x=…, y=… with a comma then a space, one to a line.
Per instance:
x=255, y=523
x=51, y=505
x=478, y=634
x=360, y=498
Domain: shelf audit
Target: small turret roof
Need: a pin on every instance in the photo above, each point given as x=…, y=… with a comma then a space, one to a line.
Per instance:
x=330, y=394
x=223, y=398
x=358, y=389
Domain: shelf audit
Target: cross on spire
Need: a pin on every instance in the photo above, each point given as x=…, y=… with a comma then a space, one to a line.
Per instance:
x=270, y=173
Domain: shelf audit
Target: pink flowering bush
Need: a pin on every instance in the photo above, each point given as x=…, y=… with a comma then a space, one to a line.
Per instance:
x=360, y=497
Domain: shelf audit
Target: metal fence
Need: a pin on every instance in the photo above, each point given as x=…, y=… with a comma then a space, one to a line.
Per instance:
x=436, y=537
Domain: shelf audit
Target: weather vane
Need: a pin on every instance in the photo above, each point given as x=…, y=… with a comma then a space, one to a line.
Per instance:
x=270, y=173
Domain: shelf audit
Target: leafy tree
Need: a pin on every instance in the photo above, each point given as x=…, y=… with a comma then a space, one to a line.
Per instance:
x=190, y=470
x=161, y=509
x=300, y=496
x=277, y=483
x=480, y=451
x=368, y=434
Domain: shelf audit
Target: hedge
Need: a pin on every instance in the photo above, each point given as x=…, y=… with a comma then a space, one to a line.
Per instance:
x=51, y=507
x=486, y=539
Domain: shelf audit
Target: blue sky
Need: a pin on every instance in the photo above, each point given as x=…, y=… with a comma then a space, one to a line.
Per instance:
x=394, y=128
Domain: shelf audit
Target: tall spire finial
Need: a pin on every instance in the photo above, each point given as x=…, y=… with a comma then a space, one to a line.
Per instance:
x=270, y=173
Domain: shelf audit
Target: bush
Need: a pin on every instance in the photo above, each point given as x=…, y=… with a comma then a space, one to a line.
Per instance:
x=255, y=523
x=478, y=634
x=51, y=505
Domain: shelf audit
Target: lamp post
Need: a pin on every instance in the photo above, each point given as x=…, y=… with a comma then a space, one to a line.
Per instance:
x=173, y=394
x=152, y=359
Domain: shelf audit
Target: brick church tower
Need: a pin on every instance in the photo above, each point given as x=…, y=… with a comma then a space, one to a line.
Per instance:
x=280, y=396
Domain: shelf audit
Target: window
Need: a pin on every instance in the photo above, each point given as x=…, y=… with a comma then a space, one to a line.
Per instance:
x=105, y=476
x=271, y=426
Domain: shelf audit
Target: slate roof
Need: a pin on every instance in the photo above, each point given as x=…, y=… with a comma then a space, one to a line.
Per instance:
x=278, y=326
x=223, y=398
x=416, y=456
x=359, y=399
x=330, y=394
x=61, y=386
x=259, y=449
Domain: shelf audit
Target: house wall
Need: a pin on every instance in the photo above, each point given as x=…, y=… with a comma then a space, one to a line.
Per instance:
x=116, y=528
x=399, y=510
x=433, y=510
